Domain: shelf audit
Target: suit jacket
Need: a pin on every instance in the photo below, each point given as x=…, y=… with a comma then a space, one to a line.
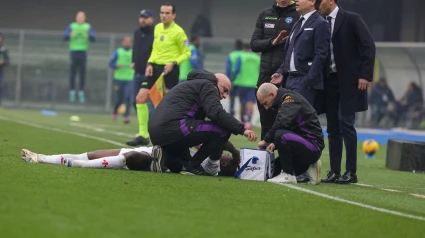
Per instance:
x=354, y=53
x=311, y=48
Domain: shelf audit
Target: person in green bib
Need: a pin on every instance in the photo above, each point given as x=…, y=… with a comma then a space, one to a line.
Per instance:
x=79, y=34
x=230, y=71
x=195, y=61
x=123, y=75
x=247, y=69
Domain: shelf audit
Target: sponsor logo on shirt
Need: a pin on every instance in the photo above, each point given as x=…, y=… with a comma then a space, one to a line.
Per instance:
x=268, y=25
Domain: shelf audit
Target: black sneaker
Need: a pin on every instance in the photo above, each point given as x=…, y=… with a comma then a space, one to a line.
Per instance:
x=331, y=177
x=192, y=169
x=158, y=160
x=302, y=178
x=138, y=141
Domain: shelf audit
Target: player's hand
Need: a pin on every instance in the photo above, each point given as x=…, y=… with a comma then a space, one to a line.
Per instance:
x=250, y=135
x=132, y=65
x=363, y=84
x=262, y=144
x=271, y=148
x=149, y=71
x=168, y=68
x=276, y=79
x=280, y=39
x=72, y=33
x=118, y=66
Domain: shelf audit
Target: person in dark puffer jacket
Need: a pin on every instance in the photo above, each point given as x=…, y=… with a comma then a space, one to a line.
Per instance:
x=273, y=26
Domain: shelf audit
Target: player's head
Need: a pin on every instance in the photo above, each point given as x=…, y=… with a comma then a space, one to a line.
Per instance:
x=228, y=166
x=266, y=94
x=167, y=13
x=138, y=160
x=327, y=6
x=306, y=6
x=224, y=85
x=80, y=18
x=283, y=3
x=238, y=44
x=195, y=40
x=145, y=18
x=126, y=42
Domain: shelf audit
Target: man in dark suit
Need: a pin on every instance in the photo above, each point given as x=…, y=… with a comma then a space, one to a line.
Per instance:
x=348, y=71
x=306, y=52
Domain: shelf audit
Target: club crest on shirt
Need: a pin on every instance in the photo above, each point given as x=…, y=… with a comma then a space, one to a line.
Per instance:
x=162, y=38
x=268, y=25
x=289, y=20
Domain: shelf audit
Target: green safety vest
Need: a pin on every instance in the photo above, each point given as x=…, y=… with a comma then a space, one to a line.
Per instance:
x=186, y=66
x=249, y=71
x=233, y=57
x=80, y=40
x=124, y=59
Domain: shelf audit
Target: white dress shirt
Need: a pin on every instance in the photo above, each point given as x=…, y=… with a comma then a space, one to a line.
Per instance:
x=333, y=16
x=292, y=63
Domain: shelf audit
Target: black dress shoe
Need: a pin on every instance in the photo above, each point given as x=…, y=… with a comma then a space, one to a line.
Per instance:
x=138, y=141
x=302, y=178
x=331, y=177
x=347, y=178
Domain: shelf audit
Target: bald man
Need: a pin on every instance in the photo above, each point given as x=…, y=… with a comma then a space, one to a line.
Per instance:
x=179, y=122
x=296, y=134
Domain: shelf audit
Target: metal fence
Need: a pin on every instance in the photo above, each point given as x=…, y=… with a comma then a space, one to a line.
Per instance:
x=38, y=74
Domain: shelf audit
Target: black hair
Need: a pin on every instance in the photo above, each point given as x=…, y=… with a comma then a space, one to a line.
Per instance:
x=238, y=44
x=317, y=4
x=170, y=5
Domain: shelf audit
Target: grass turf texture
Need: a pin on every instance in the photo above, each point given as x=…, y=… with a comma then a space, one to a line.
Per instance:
x=39, y=200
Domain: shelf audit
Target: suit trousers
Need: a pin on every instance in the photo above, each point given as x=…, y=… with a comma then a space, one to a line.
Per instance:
x=340, y=128
x=298, y=85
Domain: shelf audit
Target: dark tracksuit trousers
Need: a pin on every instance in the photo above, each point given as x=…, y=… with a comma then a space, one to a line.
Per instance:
x=78, y=64
x=296, y=153
x=267, y=117
x=211, y=136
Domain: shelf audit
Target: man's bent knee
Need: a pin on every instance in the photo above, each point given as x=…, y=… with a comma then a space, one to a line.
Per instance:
x=142, y=96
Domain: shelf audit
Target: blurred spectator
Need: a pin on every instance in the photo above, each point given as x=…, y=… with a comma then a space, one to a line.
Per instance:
x=4, y=61
x=201, y=26
x=78, y=34
x=121, y=62
x=411, y=102
x=195, y=61
x=230, y=70
x=380, y=98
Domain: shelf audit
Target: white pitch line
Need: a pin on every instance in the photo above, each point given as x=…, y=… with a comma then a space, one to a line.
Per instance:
x=62, y=131
x=355, y=203
x=390, y=190
x=418, y=195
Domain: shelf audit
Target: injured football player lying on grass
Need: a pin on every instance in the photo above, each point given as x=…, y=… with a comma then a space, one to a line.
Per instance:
x=139, y=159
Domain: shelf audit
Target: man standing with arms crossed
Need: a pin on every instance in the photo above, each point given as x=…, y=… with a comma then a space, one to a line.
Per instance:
x=170, y=48
x=270, y=33
x=348, y=71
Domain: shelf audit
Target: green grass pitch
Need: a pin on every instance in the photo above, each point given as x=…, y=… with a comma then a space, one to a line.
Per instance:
x=41, y=200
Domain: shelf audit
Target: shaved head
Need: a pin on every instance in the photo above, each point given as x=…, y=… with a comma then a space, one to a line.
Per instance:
x=266, y=94
x=224, y=85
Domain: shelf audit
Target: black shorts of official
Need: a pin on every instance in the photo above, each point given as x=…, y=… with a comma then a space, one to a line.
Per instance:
x=171, y=79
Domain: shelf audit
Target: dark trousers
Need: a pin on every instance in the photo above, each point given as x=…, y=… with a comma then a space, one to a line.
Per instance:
x=298, y=85
x=1, y=84
x=340, y=129
x=123, y=95
x=267, y=117
x=212, y=138
x=296, y=153
x=78, y=63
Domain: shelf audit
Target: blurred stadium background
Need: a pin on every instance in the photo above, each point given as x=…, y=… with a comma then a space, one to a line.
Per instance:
x=37, y=77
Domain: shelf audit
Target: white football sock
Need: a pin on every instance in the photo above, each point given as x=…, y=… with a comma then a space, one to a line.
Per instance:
x=110, y=162
x=60, y=159
x=213, y=161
